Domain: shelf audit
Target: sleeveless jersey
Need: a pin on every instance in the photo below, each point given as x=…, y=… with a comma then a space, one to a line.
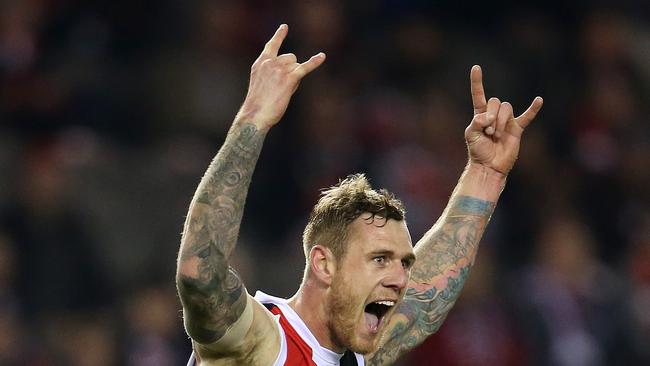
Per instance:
x=298, y=346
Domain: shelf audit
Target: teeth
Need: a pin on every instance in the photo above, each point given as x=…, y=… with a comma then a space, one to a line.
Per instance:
x=387, y=303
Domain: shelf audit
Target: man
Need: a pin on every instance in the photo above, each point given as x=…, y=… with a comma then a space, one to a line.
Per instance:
x=364, y=299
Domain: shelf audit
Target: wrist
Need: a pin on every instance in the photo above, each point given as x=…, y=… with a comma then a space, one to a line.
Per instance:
x=489, y=174
x=244, y=118
x=482, y=182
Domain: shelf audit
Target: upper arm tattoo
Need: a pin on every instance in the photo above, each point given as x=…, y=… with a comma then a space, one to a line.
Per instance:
x=212, y=293
x=445, y=255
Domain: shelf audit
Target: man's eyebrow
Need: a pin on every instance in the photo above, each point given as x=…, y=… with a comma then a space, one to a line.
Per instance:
x=386, y=252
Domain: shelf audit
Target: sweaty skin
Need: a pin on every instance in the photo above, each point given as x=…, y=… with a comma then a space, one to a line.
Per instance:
x=228, y=327
x=212, y=293
x=375, y=267
x=447, y=251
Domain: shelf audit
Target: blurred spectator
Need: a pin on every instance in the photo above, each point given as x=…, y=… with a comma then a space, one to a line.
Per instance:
x=11, y=337
x=571, y=303
x=638, y=268
x=56, y=268
x=154, y=327
x=82, y=339
x=605, y=123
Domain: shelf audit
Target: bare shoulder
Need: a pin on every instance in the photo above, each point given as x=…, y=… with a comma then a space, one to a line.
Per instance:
x=254, y=339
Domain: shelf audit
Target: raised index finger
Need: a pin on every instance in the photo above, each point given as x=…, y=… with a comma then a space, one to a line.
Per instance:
x=478, y=94
x=273, y=45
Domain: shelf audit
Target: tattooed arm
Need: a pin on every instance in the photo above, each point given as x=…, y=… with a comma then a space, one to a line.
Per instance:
x=212, y=293
x=446, y=252
x=444, y=255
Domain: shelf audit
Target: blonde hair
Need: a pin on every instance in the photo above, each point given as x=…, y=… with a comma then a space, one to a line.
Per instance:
x=341, y=204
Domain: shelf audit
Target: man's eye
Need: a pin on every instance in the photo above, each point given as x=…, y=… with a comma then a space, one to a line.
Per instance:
x=380, y=259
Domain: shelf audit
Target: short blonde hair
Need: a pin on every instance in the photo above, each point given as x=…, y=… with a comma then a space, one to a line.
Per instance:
x=341, y=204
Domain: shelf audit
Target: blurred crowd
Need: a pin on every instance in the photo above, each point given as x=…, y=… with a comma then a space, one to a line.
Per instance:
x=110, y=111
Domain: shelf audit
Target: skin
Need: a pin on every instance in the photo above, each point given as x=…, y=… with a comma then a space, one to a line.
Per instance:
x=212, y=293
x=379, y=260
x=447, y=251
x=333, y=296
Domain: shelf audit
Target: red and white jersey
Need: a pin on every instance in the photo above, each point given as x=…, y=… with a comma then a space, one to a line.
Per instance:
x=298, y=345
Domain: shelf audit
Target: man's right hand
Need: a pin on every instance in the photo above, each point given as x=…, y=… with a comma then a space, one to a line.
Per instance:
x=273, y=81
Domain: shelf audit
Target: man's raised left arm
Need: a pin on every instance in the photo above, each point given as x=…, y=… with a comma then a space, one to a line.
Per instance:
x=446, y=253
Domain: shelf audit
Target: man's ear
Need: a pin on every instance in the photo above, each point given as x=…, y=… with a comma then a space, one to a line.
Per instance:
x=322, y=263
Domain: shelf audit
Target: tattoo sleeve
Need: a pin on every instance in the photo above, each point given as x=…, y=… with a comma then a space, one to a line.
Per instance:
x=444, y=257
x=212, y=293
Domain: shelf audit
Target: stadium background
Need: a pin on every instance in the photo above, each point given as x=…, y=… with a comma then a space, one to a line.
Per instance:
x=110, y=112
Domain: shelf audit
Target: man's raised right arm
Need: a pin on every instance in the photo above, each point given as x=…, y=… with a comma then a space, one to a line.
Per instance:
x=212, y=293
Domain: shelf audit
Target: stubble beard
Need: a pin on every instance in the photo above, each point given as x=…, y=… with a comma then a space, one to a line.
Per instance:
x=344, y=317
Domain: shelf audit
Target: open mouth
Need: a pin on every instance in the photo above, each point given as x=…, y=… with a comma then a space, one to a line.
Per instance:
x=375, y=313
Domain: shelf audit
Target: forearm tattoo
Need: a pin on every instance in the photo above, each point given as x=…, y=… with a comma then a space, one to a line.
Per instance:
x=212, y=293
x=444, y=258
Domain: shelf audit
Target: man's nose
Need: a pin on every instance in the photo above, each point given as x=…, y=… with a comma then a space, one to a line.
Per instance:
x=398, y=277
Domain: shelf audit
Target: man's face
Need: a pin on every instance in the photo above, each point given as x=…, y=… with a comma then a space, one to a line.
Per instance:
x=370, y=281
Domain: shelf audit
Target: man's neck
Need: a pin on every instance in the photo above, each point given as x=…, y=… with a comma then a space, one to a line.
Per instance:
x=309, y=303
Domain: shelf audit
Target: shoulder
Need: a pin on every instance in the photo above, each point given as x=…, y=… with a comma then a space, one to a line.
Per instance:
x=254, y=338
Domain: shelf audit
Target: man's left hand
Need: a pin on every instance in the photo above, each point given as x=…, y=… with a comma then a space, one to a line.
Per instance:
x=494, y=134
